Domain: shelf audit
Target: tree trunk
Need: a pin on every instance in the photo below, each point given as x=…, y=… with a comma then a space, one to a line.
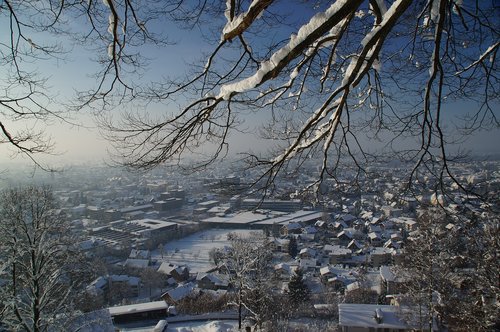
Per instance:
x=239, y=307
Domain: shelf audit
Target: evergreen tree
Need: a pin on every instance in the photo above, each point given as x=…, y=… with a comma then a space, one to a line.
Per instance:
x=292, y=247
x=297, y=289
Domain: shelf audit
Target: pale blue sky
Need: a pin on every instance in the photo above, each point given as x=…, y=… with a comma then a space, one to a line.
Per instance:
x=79, y=144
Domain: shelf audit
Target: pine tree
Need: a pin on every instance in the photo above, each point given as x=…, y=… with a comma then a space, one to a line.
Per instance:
x=292, y=247
x=297, y=289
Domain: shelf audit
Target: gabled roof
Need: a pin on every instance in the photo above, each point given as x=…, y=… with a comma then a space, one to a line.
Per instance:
x=345, y=233
x=180, y=292
x=308, y=251
x=212, y=277
x=326, y=270
x=355, y=244
x=166, y=268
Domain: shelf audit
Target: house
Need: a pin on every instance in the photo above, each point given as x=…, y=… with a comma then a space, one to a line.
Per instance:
x=373, y=317
x=348, y=218
x=306, y=237
x=396, y=236
x=391, y=212
x=211, y=281
x=321, y=224
x=409, y=224
x=339, y=254
x=309, y=230
x=374, y=228
x=345, y=236
x=374, y=239
x=326, y=272
x=390, y=281
x=280, y=244
x=307, y=253
x=307, y=264
x=339, y=225
x=132, y=283
x=139, y=254
x=179, y=273
x=284, y=271
x=98, y=287
x=173, y=296
x=139, y=312
x=354, y=245
x=392, y=244
x=338, y=282
x=380, y=256
x=137, y=263
x=291, y=228
x=398, y=256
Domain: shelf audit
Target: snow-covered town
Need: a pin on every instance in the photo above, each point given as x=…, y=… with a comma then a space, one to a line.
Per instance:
x=162, y=247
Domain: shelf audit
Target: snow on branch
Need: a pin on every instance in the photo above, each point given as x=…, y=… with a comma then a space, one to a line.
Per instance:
x=358, y=66
x=319, y=24
x=481, y=58
x=236, y=26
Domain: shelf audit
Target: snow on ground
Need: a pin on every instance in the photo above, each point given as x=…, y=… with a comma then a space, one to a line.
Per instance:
x=193, y=250
x=212, y=326
x=193, y=326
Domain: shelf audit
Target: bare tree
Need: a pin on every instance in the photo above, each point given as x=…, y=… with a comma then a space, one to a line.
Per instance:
x=248, y=263
x=152, y=279
x=387, y=68
x=37, y=33
x=24, y=95
x=451, y=273
x=40, y=266
x=322, y=80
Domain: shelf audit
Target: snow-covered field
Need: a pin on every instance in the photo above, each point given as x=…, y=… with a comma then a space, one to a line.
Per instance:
x=212, y=326
x=194, y=326
x=193, y=250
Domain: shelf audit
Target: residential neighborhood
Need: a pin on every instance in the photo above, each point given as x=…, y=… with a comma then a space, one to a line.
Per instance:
x=160, y=243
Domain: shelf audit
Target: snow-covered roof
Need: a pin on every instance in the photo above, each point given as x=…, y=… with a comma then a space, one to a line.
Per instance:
x=311, y=262
x=387, y=274
x=353, y=286
x=308, y=251
x=355, y=244
x=166, y=268
x=348, y=217
x=154, y=223
x=137, y=263
x=125, y=278
x=212, y=277
x=239, y=218
x=293, y=225
x=310, y=230
x=364, y=315
x=381, y=251
x=346, y=233
x=99, y=283
x=326, y=270
x=142, y=254
x=338, y=250
x=139, y=307
x=180, y=292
